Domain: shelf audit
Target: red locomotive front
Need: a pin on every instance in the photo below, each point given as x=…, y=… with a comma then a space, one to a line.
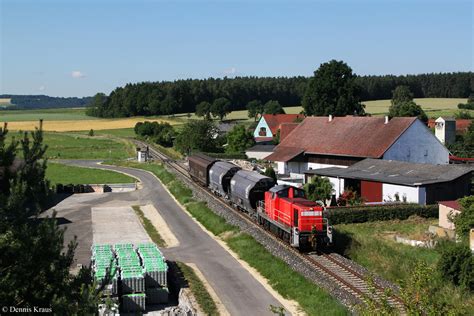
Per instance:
x=290, y=215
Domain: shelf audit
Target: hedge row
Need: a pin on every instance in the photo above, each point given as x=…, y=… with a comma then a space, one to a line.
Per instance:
x=227, y=155
x=466, y=106
x=362, y=214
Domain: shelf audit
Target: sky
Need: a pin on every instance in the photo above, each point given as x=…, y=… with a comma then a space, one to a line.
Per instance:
x=79, y=48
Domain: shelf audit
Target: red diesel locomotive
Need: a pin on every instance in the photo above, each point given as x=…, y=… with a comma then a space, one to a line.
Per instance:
x=282, y=209
x=287, y=213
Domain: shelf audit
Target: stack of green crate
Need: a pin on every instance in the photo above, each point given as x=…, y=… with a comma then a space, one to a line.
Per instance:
x=133, y=302
x=131, y=272
x=105, y=267
x=155, y=269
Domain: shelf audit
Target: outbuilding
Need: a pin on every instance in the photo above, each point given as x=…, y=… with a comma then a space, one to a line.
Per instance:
x=448, y=209
x=382, y=181
x=259, y=151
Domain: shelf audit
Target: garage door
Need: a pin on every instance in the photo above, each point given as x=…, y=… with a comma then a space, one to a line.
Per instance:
x=371, y=191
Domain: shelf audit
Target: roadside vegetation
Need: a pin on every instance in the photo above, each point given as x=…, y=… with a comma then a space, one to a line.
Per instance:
x=58, y=173
x=203, y=298
x=149, y=227
x=281, y=277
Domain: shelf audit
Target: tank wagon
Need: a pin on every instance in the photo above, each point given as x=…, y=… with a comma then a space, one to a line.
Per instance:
x=282, y=209
x=220, y=175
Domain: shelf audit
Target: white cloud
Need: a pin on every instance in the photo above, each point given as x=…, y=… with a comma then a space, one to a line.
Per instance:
x=230, y=71
x=41, y=88
x=77, y=74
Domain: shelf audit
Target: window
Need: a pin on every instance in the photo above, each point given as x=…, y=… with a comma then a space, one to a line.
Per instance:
x=262, y=132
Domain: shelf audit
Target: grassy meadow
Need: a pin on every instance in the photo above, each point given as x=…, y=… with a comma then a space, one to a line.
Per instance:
x=372, y=245
x=77, y=146
x=59, y=173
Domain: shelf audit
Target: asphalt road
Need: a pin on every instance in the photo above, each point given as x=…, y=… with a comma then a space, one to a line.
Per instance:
x=238, y=290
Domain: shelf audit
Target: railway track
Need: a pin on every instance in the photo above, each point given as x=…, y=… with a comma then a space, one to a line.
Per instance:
x=329, y=265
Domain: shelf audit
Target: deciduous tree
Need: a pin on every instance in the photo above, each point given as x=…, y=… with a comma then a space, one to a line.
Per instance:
x=203, y=109
x=273, y=107
x=319, y=188
x=220, y=108
x=199, y=135
x=333, y=90
x=255, y=108
x=239, y=139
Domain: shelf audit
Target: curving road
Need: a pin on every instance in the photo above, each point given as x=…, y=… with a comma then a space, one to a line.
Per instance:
x=238, y=290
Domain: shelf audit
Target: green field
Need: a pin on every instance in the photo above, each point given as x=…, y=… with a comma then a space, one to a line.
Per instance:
x=59, y=173
x=434, y=107
x=66, y=114
x=77, y=146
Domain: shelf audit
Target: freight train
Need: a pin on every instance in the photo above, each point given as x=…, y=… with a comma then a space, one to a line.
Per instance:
x=281, y=209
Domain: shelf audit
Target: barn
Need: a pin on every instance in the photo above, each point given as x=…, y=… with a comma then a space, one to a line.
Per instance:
x=381, y=181
x=322, y=142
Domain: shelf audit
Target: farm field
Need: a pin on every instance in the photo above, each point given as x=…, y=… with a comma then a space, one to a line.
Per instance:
x=372, y=245
x=59, y=173
x=65, y=114
x=76, y=146
x=62, y=120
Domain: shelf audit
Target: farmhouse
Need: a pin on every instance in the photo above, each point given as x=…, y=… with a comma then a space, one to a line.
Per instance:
x=379, y=181
x=321, y=142
x=269, y=124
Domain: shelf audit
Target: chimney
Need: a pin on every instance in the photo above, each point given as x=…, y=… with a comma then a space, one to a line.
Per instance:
x=386, y=119
x=330, y=117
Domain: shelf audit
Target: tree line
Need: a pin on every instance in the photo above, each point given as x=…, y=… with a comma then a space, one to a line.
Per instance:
x=183, y=96
x=44, y=101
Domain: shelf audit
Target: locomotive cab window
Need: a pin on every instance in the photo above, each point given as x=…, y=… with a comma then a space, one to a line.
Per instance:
x=295, y=217
x=298, y=193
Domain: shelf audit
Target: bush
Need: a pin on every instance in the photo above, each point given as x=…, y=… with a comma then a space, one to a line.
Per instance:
x=456, y=264
x=466, y=106
x=464, y=221
x=362, y=214
x=227, y=155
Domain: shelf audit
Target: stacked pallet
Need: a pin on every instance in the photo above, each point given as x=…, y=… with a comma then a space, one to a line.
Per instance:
x=155, y=270
x=132, y=278
x=105, y=268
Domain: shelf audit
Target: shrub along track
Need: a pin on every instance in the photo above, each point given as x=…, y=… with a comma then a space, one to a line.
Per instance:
x=343, y=278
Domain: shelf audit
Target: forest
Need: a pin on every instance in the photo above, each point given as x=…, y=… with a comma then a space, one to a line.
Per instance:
x=182, y=96
x=44, y=101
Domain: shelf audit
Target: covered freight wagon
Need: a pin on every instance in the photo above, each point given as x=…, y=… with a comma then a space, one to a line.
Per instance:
x=199, y=166
x=220, y=176
x=247, y=188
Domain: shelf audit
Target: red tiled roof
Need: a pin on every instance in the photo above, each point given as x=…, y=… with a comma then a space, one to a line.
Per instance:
x=275, y=120
x=286, y=129
x=284, y=154
x=452, y=204
x=351, y=136
x=462, y=125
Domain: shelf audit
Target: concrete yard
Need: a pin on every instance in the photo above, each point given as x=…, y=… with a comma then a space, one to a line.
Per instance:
x=112, y=225
x=235, y=286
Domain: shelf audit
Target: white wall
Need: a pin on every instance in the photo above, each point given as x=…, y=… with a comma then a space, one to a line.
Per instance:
x=412, y=193
x=257, y=154
x=262, y=123
x=312, y=165
x=417, y=144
